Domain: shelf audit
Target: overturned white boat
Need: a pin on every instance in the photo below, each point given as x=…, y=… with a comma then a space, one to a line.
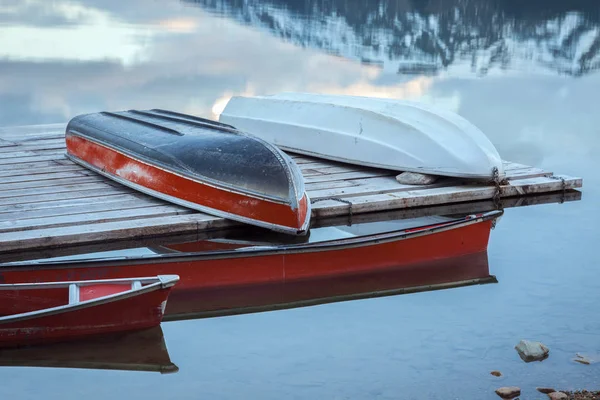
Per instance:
x=382, y=133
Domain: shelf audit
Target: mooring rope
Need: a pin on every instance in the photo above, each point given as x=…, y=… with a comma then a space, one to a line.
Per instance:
x=564, y=186
x=498, y=194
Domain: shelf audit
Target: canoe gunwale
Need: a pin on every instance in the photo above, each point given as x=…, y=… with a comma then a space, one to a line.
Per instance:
x=160, y=284
x=257, y=251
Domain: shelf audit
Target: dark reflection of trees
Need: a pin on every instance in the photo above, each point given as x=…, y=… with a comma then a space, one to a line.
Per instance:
x=563, y=36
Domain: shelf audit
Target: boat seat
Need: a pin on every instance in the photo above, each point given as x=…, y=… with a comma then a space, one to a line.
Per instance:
x=136, y=285
x=73, y=293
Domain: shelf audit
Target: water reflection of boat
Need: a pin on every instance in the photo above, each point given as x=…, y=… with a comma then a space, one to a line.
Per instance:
x=346, y=254
x=137, y=351
x=471, y=269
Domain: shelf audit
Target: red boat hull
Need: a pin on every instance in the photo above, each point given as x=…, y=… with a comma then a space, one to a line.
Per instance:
x=188, y=192
x=144, y=310
x=238, y=268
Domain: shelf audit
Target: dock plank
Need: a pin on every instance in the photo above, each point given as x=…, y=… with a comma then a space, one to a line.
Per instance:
x=154, y=211
x=440, y=195
x=34, y=158
x=14, y=214
x=99, y=232
x=71, y=205
x=16, y=154
x=50, y=193
x=7, y=149
x=345, y=175
x=41, y=170
x=370, y=186
x=7, y=187
x=44, y=177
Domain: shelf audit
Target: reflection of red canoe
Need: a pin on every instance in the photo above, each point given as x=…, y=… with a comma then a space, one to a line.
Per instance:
x=471, y=269
x=143, y=350
x=275, y=264
x=34, y=313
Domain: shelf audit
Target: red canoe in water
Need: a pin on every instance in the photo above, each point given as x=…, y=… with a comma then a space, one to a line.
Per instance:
x=194, y=162
x=35, y=313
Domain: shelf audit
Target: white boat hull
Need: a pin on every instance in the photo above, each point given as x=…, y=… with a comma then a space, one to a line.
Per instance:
x=382, y=133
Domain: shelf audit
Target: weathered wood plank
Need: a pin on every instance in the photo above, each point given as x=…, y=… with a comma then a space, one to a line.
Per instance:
x=322, y=164
x=98, y=232
x=44, y=177
x=30, y=148
x=48, y=169
x=470, y=207
x=157, y=211
x=328, y=170
x=30, y=166
x=6, y=144
x=345, y=175
x=372, y=186
x=329, y=185
x=34, y=158
x=88, y=199
x=16, y=154
x=89, y=207
x=5, y=188
x=50, y=193
x=38, y=137
x=441, y=195
x=527, y=173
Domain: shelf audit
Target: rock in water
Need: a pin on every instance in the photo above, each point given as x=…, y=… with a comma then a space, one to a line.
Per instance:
x=558, y=396
x=414, y=178
x=532, y=351
x=496, y=373
x=545, y=390
x=582, y=359
x=509, y=392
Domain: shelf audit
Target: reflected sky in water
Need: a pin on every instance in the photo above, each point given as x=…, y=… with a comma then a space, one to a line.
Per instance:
x=528, y=77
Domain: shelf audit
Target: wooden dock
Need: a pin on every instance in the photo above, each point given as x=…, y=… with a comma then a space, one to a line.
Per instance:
x=48, y=201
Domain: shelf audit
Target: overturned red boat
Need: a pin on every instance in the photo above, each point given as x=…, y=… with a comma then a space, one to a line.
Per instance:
x=194, y=162
x=37, y=313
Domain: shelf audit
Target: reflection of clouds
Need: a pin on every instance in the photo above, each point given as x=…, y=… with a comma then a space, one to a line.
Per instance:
x=187, y=72
x=181, y=25
x=536, y=120
x=92, y=34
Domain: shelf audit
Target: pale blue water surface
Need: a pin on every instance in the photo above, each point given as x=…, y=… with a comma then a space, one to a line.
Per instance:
x=527, y=75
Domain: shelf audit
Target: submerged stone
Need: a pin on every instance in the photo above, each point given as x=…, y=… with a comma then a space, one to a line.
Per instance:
x=508, y=392
x=532, y=351
x=583, y=359
x=558, y=396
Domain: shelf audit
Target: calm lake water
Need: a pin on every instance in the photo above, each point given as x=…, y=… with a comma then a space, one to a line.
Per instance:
x=527, y=75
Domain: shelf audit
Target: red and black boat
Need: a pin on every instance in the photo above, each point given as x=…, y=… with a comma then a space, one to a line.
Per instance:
x=406, y=244
x=194, y=162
